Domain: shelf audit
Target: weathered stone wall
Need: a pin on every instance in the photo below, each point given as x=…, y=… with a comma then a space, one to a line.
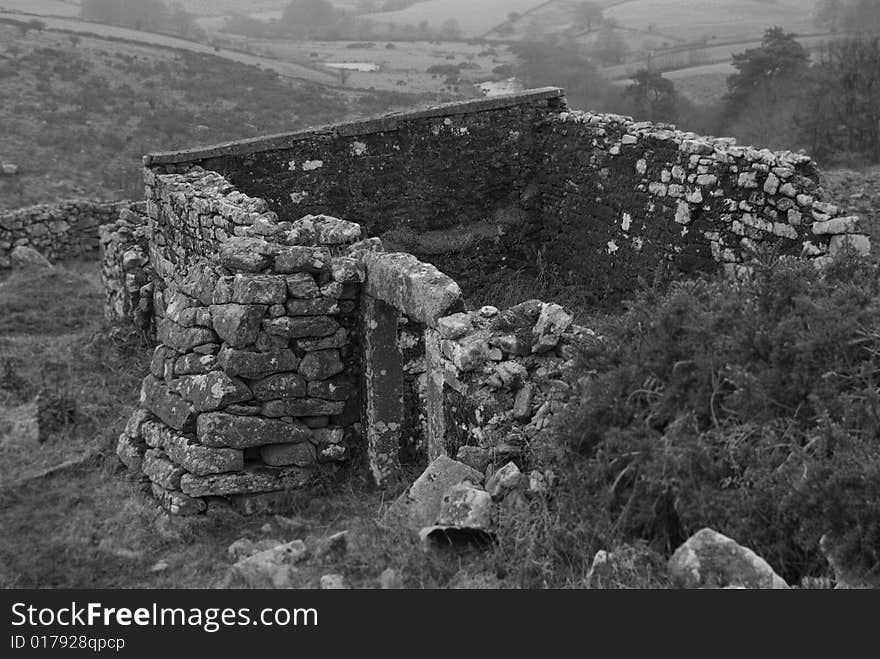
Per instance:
x=289, y=341
x=126, y=271
x=617, y=198
x=64, y=230
x=462, y=165
x=522, y=185
x=421, y=170
x=251, y=391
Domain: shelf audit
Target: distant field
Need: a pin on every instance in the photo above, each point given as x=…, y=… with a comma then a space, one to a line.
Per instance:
x=405, y=67
x=713, y=19
x=53, y=7
x=475, y=17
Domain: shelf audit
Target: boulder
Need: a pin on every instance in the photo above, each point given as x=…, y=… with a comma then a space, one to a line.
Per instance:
x=420, y=505
x=24, y=257
x=551, y=324
x=272, y=568
x=504, y=481
x=466, y=506
x=709, y=559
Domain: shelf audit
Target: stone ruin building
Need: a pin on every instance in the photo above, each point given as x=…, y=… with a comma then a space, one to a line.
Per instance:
x=289, y=339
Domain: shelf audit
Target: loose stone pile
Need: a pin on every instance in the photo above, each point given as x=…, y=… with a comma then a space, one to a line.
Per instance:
x=498, y=378
x=64, y=230
x=251, y=388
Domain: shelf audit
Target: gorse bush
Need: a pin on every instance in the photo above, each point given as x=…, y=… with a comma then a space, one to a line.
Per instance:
x=750, y=406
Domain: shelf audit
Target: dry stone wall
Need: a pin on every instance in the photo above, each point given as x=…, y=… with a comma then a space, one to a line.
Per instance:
x=522, y=185
x=64, y=230
x=289, y=342
x=250, y=395
x=126, y=271
x=617, y=198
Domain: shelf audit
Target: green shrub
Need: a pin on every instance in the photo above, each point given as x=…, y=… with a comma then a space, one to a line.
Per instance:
x=749, y=406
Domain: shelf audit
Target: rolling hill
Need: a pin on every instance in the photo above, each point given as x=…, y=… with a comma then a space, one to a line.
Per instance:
x=79, y=111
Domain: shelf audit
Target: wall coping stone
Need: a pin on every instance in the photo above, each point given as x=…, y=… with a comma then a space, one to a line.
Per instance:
x=381, y=124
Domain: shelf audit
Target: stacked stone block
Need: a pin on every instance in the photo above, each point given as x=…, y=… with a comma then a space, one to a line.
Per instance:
x=252, y=389
x=126, y=271
x=67, y=229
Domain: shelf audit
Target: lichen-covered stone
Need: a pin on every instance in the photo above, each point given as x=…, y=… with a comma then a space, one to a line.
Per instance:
x=319, y=306
x=194, y=364
x=237, y=324
x=711, y=560
x=131, y=452
x=160, y=470
x=168, y=406
x=321, y=365
x=419, y=506
x=302, y=327
x=183, y=339
x=259, y=289
x=332, y=389
x=253, y=479
x=302, y=285
x=193, y=457
x=551, y=324
x=212, y=391
x=281, y=386
x=178, y=503
x=454, y=326
x=217, y=429
x=338, y=339
x=248, y=364
x=467, y=507
x=303, y=407
x=417, y=289
x=241, y=254
x=302, y=259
